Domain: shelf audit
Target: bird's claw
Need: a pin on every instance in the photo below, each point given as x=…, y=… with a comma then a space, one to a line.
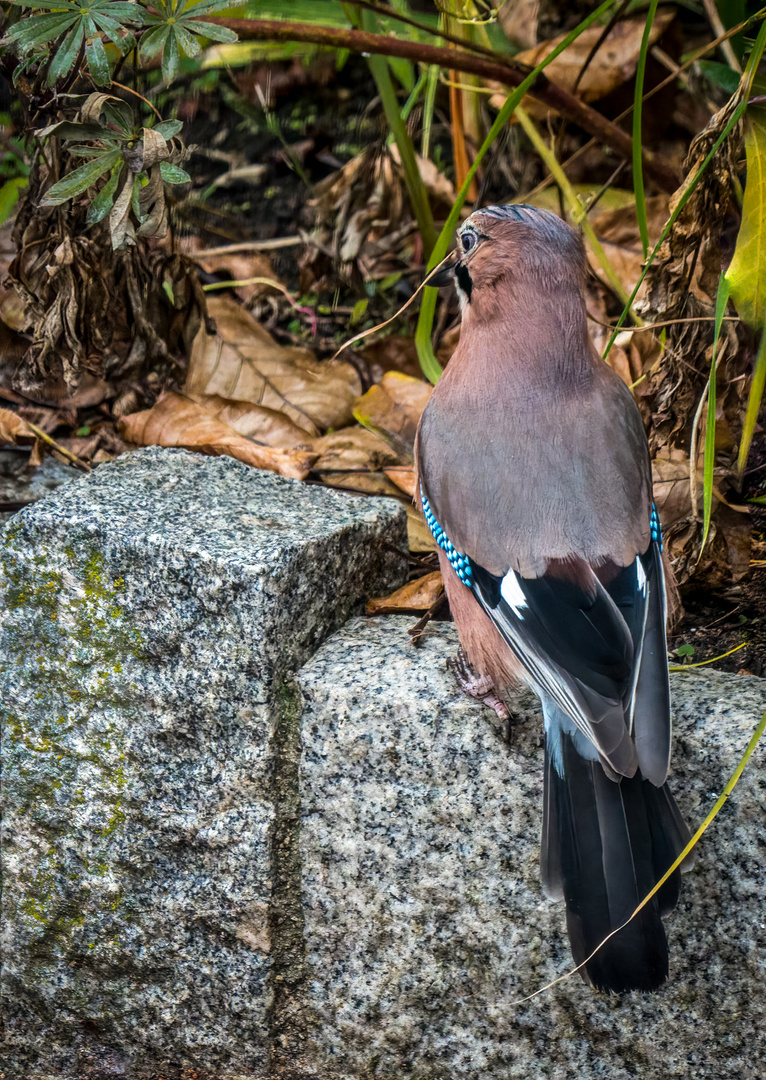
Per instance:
x=479, y=687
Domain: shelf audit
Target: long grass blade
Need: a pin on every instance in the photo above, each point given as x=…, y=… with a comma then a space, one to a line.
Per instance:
x=638, y=99
x=753, y=405
x=721, y=300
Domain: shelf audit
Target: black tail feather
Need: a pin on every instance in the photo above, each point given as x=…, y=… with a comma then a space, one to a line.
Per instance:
x=605, y=845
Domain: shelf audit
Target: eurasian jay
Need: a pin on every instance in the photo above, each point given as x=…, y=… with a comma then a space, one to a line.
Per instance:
x=535, y=480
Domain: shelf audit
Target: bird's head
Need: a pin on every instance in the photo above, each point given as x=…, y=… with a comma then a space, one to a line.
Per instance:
x=512, y=245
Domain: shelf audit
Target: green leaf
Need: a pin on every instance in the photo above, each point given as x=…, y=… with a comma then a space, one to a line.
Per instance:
x=95, y=54
x=153, y=41
x=9, y=196
x=186, y=41
x=210, y=30
x=720, y=75
x=753, y=405
x=638, y=140
x=685, y=650
x=168, y=128
x=171, y=174
x=721, y=301
x=68, y=4
x=79, y=180
x=125, y=12
x=114, y=31
x=102, y=203
x=121, y=115
x=66, y=55
x=170, y=57
x=204, y=7
x=747, y=273
x=39, y=29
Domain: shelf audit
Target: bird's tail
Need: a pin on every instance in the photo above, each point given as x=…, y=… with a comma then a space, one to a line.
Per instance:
x=606, y=843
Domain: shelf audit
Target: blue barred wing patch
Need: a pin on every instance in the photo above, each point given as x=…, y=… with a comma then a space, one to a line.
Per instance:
x=457, y=560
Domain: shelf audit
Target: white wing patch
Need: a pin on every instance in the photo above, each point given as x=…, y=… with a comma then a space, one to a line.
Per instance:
x=510, y=590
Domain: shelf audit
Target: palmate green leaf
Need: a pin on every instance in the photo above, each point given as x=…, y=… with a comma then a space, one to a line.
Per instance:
x=104, y=201
x=87, y=19
x=171, y=174
x=747, y=273
x=38, y=30
x=210, y=30
x=74, y=183
x=171, y=56
x=175, y=28
x=48, y=4
x=187, y=43
x=95, y=55
x=65, y=57
x=202, y=7
x=114, y=30
x=153, y=41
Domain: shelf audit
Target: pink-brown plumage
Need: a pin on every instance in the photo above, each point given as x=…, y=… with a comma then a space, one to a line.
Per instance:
x=534, y=471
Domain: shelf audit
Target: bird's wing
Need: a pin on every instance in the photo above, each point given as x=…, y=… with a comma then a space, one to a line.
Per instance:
x=577, y=648
x=597, y=652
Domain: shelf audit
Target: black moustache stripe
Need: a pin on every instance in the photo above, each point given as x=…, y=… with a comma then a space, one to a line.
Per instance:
x=464, y=279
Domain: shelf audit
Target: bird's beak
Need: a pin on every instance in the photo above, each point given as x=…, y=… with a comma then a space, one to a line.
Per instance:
x=446, y=275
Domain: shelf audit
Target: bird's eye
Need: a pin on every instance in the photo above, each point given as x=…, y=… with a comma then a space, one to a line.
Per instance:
x=469, y=240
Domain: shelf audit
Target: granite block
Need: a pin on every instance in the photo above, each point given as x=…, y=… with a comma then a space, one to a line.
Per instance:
x=152, y=613
x=424, y=922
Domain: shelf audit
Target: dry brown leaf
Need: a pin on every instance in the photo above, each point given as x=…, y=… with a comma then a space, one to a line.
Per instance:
x=404, y=477
x=175, y=420
x=614, y=63
x=13, y=427
x=242, y=362
x=353, y=448
x=393, y=408
x=670, y=477
x=255, y=422
x=436, y=183
x=518, y=20
x=369, y=483
x=418, y=595
x=419, y=536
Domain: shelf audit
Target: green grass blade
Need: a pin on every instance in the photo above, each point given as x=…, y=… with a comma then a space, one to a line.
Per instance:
x=721, y=300
x=428, y=108
x=753, y=405
x=416, y=189
x=428, y=362
x=638, y=102
x=747, y=272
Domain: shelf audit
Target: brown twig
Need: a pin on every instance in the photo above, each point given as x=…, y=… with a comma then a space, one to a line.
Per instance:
x=552, y=95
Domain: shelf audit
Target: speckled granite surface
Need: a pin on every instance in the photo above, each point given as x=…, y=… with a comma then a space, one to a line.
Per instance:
x=424, y=920
x=151, y=614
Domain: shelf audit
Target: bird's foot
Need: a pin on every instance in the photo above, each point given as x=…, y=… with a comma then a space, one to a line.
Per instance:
x=479, y=687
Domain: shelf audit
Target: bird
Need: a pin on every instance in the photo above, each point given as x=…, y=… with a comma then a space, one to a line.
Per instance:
x=534, y=476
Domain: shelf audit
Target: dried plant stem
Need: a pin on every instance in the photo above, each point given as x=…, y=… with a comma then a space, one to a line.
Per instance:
x=40, y=434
